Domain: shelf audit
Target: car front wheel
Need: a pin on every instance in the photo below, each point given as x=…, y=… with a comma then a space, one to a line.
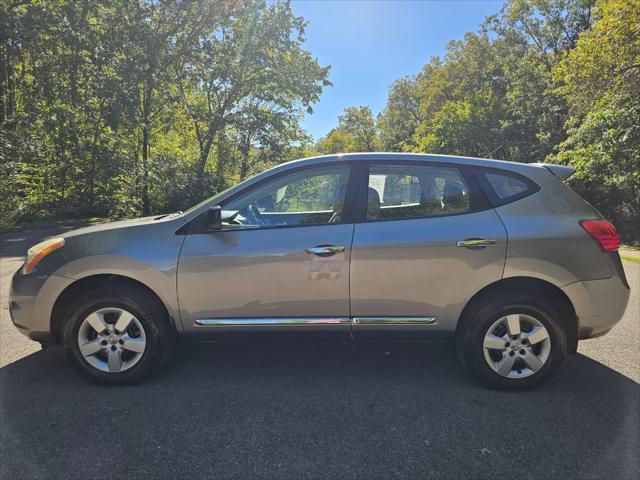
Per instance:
x=117, y=335
x=513, y=343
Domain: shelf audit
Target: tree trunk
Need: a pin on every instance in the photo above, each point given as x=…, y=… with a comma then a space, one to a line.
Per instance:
x=205, y=149
x=244, y=165
x=146, y=108
x=202, y=164
x=7, y=85
x=75, y=62
x=145, y=170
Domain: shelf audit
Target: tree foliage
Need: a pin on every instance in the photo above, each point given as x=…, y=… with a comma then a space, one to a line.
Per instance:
x=600, y=80
x=541, y=80
x=126, y=107
x=356, y=132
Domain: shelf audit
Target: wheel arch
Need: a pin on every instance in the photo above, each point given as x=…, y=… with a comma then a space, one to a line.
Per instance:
x=83, y=285
x=533, y=286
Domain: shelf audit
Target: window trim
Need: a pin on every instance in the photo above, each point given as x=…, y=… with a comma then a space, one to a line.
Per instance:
x=476, y=194
x=193, y=227
x=480, y=175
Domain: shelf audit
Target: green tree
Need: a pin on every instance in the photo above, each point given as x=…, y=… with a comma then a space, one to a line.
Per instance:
x=401, y=116
x=600, y=81
x=359, y=123
x=156, y=37
x=263, y=134
x=338, y=140
x=257, y=54
x=462, y=100
x=356, y=132
x=102, y=103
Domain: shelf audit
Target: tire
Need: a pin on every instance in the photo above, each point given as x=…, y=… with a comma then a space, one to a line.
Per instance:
x=483, y=328
x=137, y=352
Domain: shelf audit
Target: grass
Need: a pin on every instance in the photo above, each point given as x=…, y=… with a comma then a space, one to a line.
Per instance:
x=630, y=253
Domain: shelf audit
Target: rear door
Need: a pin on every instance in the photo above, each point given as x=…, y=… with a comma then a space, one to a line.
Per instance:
x=426, y=242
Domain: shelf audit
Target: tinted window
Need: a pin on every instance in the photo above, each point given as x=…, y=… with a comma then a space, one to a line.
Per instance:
x=409, y=191
x=504, y=187
x=307, y=197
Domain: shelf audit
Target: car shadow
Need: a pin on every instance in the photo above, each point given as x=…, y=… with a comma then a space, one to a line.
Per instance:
x=307, y=410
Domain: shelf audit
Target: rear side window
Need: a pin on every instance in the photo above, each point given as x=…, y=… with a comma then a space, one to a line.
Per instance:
x=413, y=191
x=502, y=187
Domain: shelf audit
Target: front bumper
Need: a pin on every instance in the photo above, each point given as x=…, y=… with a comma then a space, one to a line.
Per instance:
x=599, y=304
x=31, y=300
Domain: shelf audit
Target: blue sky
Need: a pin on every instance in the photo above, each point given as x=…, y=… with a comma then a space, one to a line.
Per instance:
x=369, y=44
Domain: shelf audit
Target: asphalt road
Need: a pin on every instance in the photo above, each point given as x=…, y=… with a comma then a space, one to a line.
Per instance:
x=317, y=410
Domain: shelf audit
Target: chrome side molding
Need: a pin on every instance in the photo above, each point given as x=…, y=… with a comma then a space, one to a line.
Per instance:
x=394, y=321
x=271, y=322
x=315, y=322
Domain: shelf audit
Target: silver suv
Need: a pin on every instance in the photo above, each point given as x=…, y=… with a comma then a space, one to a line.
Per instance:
x=501, y=257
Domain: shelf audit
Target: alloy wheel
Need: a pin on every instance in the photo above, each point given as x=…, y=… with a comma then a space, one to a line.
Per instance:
x=516, y=346
x=111, y=340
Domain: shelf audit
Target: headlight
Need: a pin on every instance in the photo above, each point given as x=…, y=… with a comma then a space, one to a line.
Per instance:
x=41, y=250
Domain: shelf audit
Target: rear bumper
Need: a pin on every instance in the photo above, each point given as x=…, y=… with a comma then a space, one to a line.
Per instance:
x=599, y=304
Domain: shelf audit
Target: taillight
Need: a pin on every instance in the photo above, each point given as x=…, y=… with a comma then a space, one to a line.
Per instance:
x=603, y=233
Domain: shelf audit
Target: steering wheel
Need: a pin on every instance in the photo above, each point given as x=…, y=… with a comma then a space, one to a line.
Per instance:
x=252, y=213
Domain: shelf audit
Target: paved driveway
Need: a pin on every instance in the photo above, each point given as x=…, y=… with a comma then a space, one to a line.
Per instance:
x=317, y=410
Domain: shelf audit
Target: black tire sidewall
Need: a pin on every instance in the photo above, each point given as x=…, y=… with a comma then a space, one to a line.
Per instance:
x=471, y=338
x=151, y=316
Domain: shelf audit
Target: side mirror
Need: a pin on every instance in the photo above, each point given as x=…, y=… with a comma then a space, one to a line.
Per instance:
x=213, y=218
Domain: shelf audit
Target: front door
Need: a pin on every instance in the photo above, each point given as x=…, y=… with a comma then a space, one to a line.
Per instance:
x=280, y=263
x=427, y=242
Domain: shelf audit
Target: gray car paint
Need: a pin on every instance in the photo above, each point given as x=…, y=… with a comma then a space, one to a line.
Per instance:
x=413, y=267
x=544, y=241
x=264, y=273
x=145, y=250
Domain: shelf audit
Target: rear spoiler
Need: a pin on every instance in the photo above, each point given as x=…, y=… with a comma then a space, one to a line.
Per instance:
x=561, y=171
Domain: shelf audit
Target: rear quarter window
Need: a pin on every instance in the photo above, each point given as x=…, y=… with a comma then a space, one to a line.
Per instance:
x=502, y=187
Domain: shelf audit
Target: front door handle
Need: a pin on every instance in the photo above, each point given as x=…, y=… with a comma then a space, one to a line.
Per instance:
x=475, y=243
x=324, y=250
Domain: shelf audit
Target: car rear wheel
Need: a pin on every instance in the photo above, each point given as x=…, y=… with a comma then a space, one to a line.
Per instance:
x=117, y=335
x=512, y=343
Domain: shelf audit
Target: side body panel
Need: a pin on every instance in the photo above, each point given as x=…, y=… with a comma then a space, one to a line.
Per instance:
x=146, y=252
x=413, y=268
x=545, y=239
x=254, y=274
x=547, y=242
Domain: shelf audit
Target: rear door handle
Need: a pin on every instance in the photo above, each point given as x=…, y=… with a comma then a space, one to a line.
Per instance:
x=475, y=243
x=324, y=250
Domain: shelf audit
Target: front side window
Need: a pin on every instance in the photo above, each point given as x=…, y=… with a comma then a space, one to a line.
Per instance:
x=410, y=191
x=307, y=197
